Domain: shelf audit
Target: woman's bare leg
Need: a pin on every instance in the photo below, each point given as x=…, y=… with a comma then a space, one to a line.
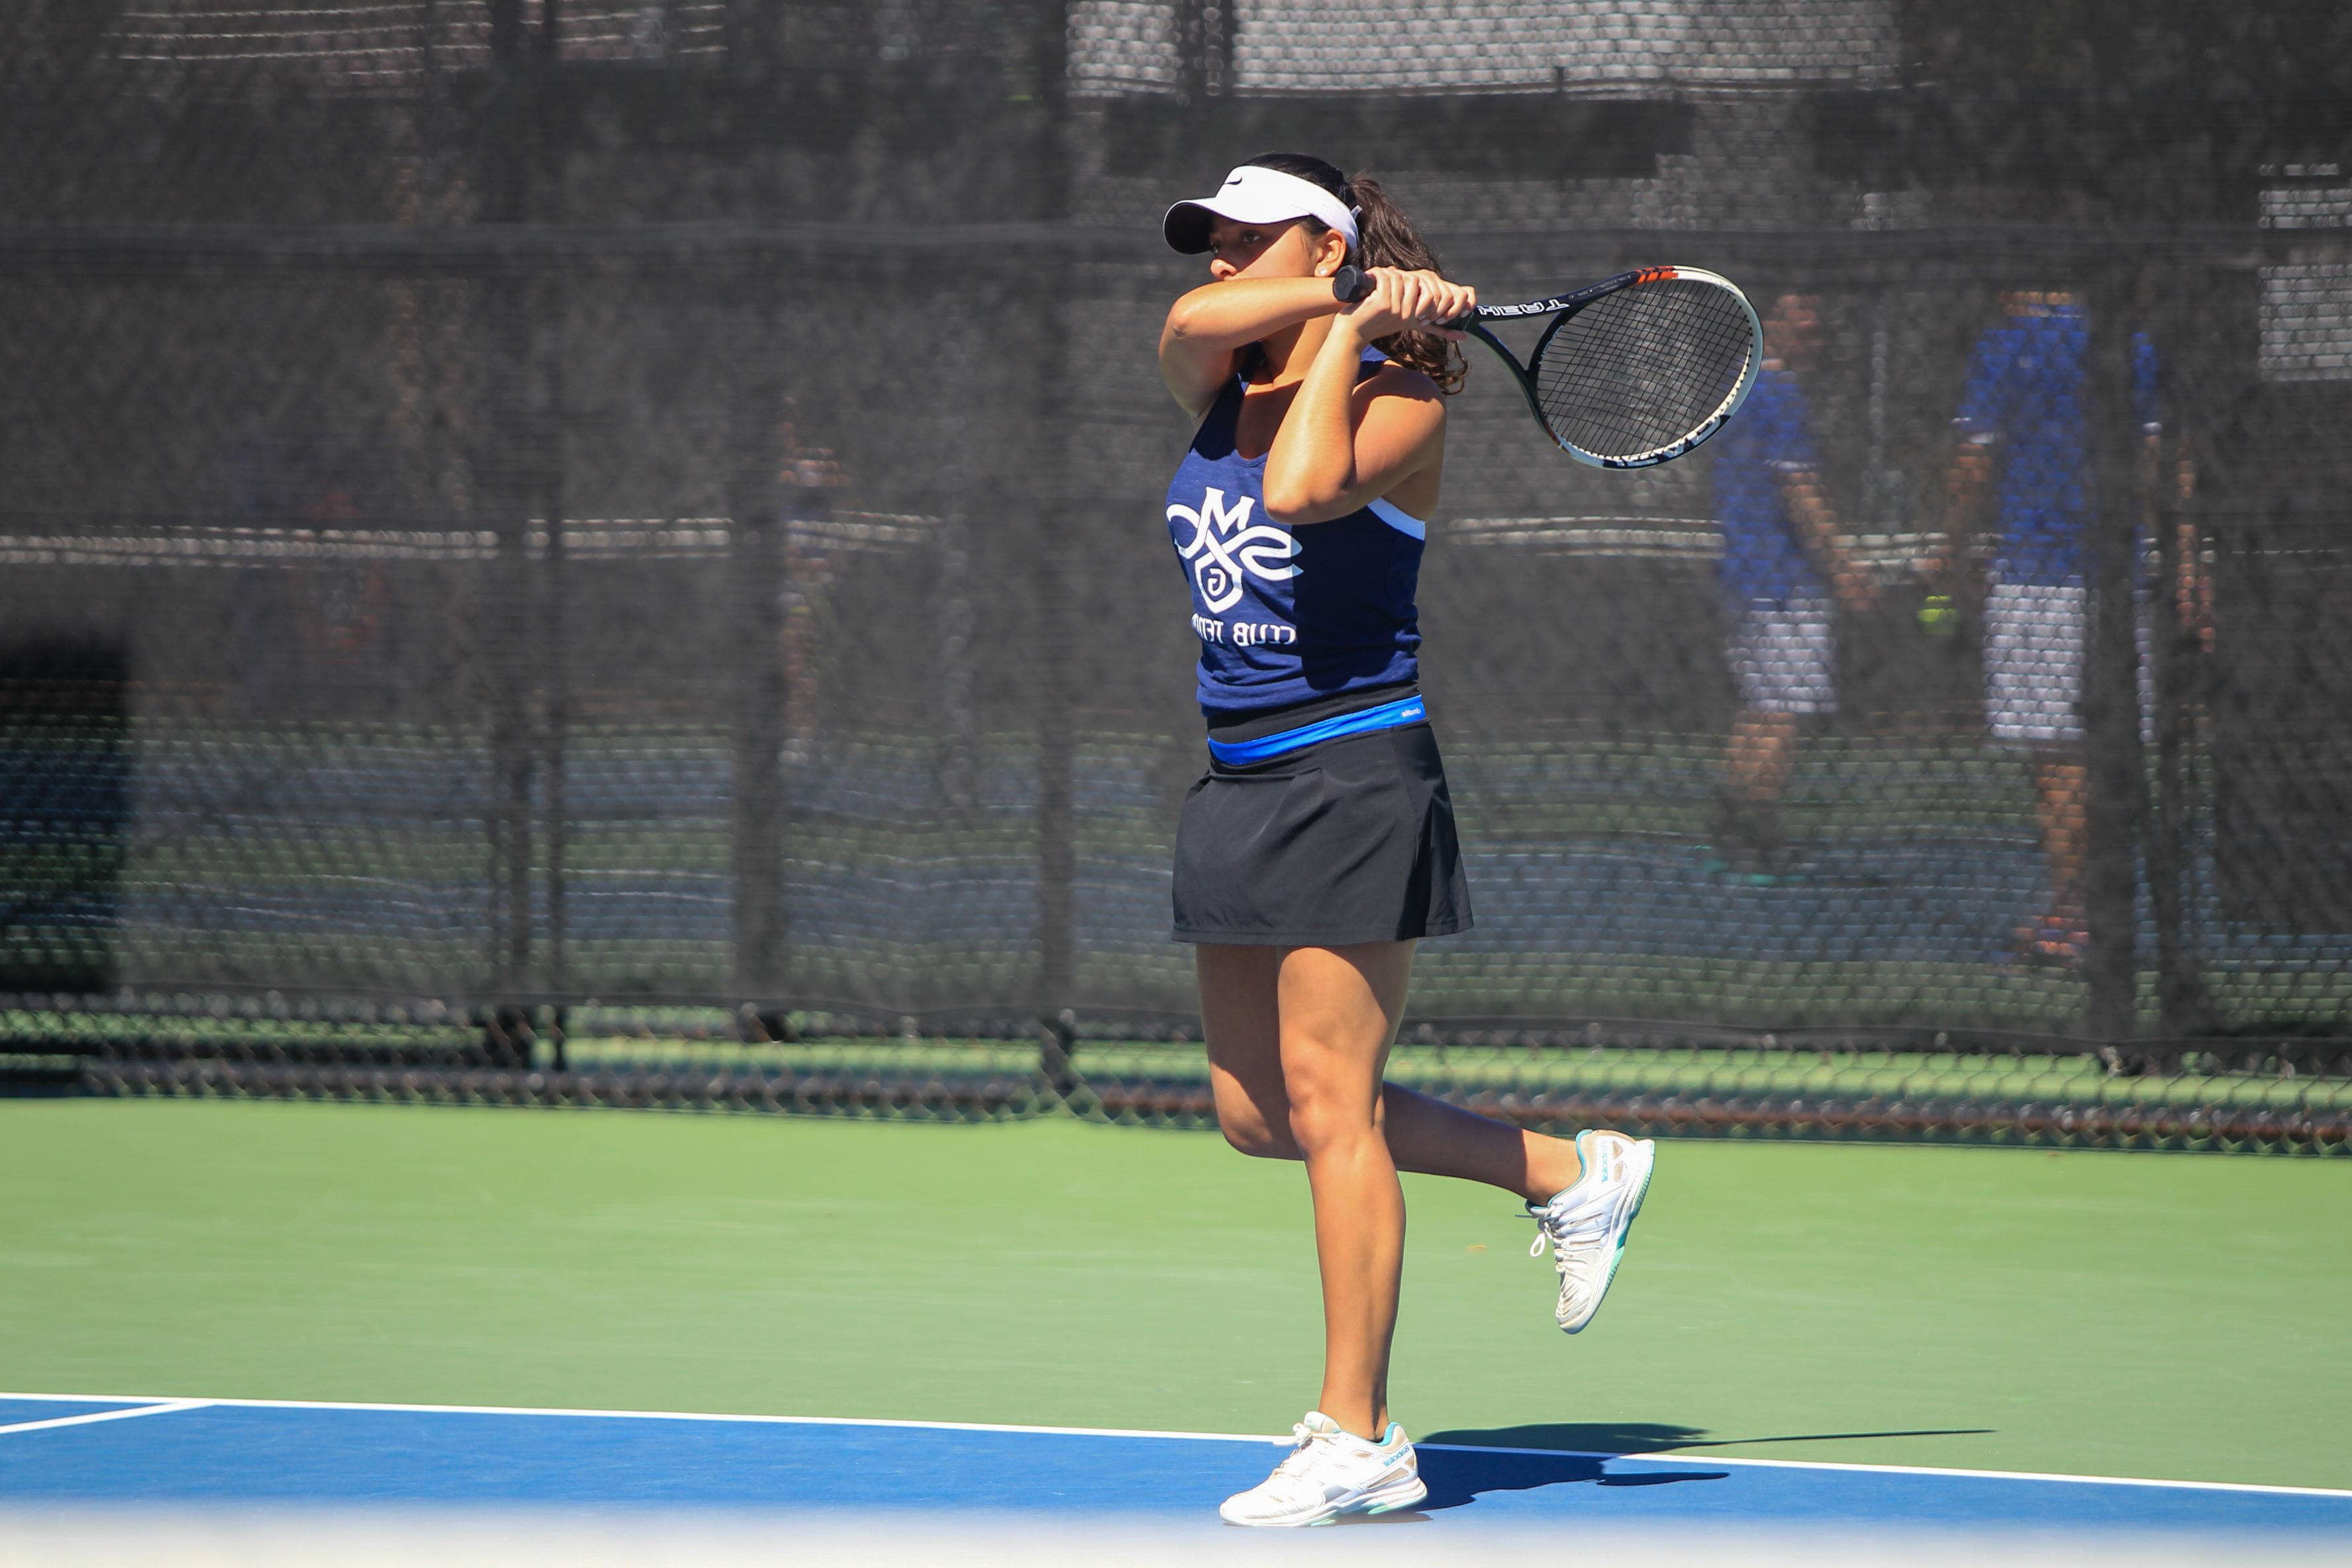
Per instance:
x=1340, y=1010
x=1431, y=1138
x=1241, y=1018
x=1296, y=1039
x=1241, y=1006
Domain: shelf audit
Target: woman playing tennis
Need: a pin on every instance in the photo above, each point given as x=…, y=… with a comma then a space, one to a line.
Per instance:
x=1319, y=847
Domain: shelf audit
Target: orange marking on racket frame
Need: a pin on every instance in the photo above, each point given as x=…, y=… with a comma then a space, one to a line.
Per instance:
x=1654, y=274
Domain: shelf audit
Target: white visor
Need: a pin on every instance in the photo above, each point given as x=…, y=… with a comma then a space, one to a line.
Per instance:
x=1252, y=193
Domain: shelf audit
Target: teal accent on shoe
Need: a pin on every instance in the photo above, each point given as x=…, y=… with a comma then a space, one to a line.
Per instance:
x=1583, y=1162
x=1640, y=1195
x=1416, y=1494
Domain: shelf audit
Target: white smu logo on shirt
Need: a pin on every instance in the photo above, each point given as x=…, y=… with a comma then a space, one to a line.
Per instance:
x=1225, y=544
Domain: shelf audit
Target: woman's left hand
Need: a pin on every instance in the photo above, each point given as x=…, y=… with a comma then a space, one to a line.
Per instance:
x=1402, y=301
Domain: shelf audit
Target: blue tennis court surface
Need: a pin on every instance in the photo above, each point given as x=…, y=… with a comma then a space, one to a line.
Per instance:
x=80, y=1451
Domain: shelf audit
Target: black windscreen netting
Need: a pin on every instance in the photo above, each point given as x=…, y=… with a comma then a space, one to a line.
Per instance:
x=663, y=502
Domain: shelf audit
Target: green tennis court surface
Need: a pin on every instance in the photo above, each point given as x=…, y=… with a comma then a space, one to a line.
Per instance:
x=2177, y=1317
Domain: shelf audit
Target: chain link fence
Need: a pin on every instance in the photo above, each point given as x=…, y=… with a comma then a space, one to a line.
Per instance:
x=621, y=543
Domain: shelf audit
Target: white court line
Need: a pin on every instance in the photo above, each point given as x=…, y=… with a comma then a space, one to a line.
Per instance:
x=1668, y=1455
x=1683, y=1459
x=674, y=1416
x=164, y=1408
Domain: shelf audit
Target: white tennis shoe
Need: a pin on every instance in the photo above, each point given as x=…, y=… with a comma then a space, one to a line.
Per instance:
x=1587, y=1224
x=1330, y=1472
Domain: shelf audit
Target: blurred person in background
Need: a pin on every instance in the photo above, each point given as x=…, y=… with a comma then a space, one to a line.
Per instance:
x=2022, y=432
x=806, y=477
x=1783, y=559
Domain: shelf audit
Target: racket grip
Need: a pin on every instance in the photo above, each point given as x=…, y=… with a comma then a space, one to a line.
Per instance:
x=1349, y=284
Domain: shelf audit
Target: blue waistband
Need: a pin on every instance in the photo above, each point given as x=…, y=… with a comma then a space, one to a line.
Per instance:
x=1387, y=716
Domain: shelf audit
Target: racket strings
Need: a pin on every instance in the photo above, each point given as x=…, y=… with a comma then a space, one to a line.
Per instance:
x=1642, y=368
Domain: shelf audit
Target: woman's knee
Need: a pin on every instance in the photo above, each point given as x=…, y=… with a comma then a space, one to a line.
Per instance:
x=1250, y=1107
x=1322, y=1119
x=1248, y=1130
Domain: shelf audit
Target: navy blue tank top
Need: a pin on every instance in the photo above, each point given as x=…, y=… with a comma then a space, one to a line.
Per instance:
x=1288, y=615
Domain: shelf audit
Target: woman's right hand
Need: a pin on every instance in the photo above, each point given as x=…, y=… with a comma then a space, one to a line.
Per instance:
x=1407, y=302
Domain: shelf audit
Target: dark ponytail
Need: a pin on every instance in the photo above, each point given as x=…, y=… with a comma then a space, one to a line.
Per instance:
x=1386, y=238
x=1391, y=240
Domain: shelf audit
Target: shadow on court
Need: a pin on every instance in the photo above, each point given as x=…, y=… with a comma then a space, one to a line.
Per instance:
x=1564, y=1453
x=1649, y=1437
x=1457, y=1478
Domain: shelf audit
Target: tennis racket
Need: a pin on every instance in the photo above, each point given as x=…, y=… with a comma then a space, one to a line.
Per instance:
x=1633, y=371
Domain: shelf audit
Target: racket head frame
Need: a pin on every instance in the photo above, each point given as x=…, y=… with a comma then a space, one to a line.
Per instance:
x=1350, y=284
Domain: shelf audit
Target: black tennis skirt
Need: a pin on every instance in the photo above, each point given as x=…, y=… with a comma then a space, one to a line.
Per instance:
x=1350, y=840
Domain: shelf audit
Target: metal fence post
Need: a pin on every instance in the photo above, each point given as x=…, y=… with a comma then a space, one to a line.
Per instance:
x=2179, y=604
x=2117, y=774
x=1054, y=541
x=756, y=569
x=506, y=490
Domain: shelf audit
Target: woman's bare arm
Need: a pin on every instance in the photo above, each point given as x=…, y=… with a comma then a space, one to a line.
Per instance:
x=1208, y=326
x=1344, y=443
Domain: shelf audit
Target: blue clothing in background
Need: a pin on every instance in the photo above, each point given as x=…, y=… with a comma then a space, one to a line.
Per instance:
x=1288, y=615
x=2028, y=389
x=1764, y=559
